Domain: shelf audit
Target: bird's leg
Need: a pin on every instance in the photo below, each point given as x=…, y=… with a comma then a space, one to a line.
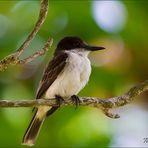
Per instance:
x=59, y=100
x=76, y=100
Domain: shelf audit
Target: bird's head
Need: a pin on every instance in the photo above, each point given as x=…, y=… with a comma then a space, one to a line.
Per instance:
x=77, y=44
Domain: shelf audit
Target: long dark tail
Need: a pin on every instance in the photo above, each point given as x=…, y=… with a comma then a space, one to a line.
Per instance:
x=36, y=123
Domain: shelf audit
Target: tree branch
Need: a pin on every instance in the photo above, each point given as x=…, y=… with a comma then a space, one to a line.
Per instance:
x=38, y=53
x=40, y=21
x=13, y=59
x=103, y=104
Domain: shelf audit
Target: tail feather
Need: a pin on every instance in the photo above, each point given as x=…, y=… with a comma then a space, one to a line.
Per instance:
x=33, y=129
x=52, y=110
x=36, y=123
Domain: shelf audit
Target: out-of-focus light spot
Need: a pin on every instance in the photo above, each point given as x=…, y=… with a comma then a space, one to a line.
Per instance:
x=4, y=25
x=131, y=130
x=113, y=51
x=25, y=13
x=110, y=15
x=91, y=120
x=59, y=23
x=18, y=91
x=25, y=4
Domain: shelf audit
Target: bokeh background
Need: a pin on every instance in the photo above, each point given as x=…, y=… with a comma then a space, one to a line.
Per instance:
x=121, y=27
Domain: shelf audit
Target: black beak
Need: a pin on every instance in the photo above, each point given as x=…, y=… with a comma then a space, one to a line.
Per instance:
x=93, y=48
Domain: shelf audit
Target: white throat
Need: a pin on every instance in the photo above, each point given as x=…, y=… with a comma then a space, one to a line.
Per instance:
x=80, y=51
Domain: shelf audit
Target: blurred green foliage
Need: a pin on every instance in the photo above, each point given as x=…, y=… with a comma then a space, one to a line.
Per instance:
x=83, y=127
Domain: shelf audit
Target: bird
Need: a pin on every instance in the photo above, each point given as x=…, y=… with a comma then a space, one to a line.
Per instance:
x=64, y=76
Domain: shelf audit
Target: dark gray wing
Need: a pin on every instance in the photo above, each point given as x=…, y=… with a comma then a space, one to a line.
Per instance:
x=54, y=67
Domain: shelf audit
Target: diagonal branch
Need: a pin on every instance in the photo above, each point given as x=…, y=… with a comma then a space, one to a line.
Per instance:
x=13, y=59
x=103, y=104
x=38, y=53
x=40, y=21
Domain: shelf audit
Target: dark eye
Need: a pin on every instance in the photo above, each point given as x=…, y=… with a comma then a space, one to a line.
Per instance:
x=77, y=44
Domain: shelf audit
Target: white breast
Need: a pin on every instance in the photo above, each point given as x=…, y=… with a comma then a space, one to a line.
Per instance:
x=73, y=78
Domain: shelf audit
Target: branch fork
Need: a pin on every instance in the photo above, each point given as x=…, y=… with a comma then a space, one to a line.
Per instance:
x=14, y=58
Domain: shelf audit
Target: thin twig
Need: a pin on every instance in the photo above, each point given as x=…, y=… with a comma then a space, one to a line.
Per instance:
x=104, y=104
x=13, y=59
x=38, y=53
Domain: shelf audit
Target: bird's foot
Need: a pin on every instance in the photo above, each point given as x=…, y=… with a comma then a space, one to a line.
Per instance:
x=76, y=100
x=59, y=100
